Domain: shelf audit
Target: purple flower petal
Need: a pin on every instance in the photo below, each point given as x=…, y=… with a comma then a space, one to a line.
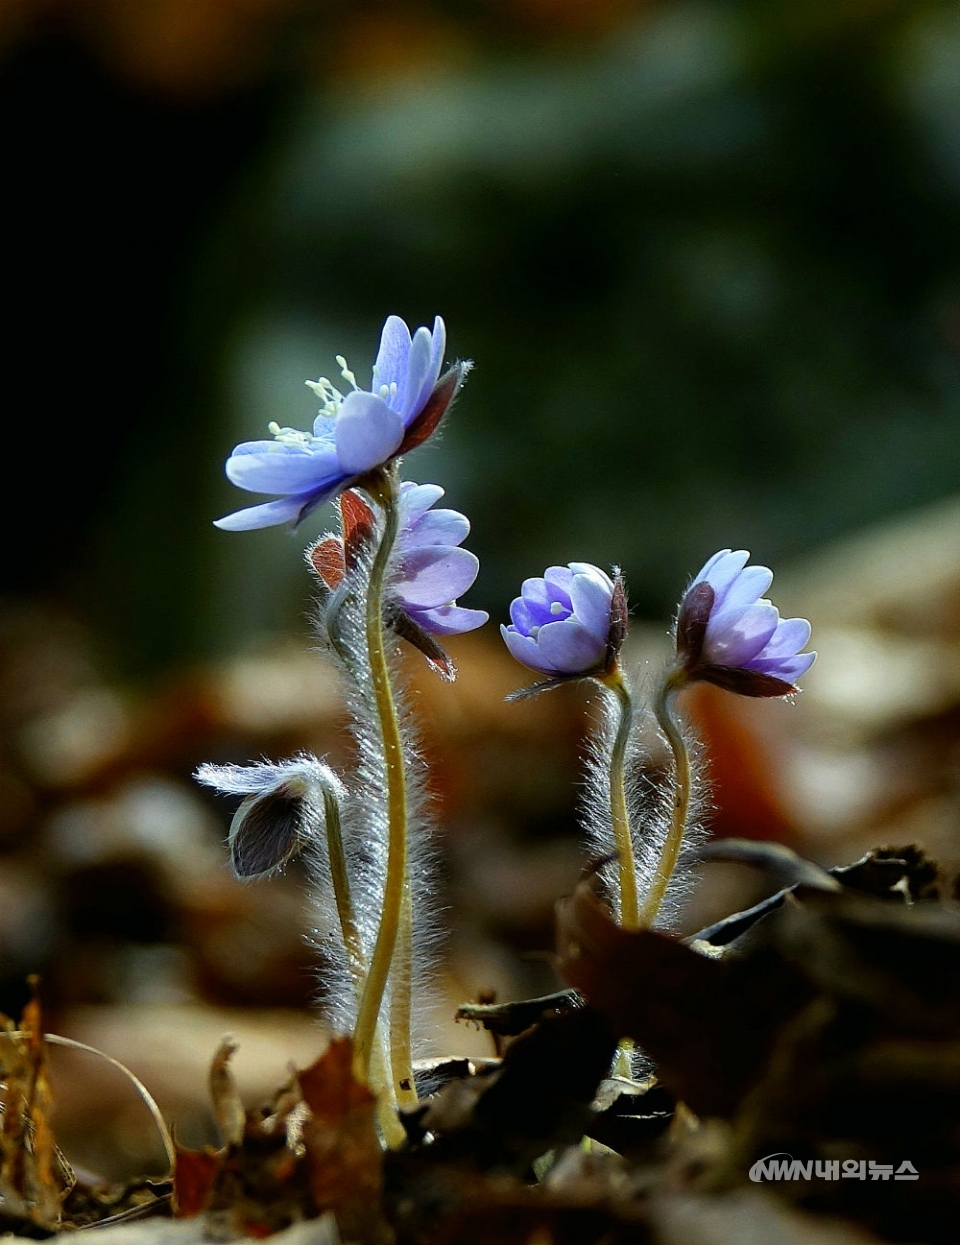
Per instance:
x=284, y=510
x=407, y=402
x=368, y=432
x=558, y=580
x=449, y=619
x=279, y=468
x=734, y=636
x=569, y=647
x=590, y=594
x=722, y=573
x=525, y=617
x=526, y=650
x=325, y=427
x=416, y=500
x=748, y=587
x=391, y=365
x=703, y=575
x=787, y=668
x=435, y=575
x=438, y=344
x=790, y=637
x=534, y=592
x=440, y=527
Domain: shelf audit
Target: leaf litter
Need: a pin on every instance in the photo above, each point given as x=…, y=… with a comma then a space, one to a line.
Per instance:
x=822, y=1024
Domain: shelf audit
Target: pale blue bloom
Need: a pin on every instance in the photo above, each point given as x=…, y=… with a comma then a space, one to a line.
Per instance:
x=353, y=434
x=563, y=624
x=728, y=633
x=431, y=571
x=427, y=570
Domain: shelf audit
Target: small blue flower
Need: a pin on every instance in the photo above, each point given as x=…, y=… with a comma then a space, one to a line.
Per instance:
x=273, y=821
x=568, y=624
x=431, y=570
x=353, y=434
x=427, y=571
x=730, y=635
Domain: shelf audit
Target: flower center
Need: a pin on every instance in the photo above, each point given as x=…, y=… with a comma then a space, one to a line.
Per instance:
x=288, y=436
x=331, y=399
x=330, y=396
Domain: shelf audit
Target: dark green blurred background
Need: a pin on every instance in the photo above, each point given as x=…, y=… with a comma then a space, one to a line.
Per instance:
x=706, y=257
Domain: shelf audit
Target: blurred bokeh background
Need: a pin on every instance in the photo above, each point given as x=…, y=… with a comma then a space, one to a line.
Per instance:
x=706, y=258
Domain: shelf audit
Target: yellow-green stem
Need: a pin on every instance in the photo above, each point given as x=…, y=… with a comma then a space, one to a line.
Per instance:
x=393, y=1131
x=401, y=1055
x=664, y=709
x=341, y=887
x=620, y=819
x=384, y=490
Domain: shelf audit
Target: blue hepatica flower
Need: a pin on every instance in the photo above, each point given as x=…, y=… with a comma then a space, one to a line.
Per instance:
x=570, y=623
x=730, y=635
x=428, y=569
x=432, y=571
x=353, y=434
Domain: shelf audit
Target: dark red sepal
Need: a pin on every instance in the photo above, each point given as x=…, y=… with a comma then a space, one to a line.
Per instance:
x=425, y=424
x=692, y=623
x=619, y=618
x=403, y=625
x=358, y=524
x=326, y=558
x=743, y=682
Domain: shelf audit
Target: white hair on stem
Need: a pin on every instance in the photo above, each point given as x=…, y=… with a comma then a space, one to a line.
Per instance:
x=649, y=791
x=341, y=627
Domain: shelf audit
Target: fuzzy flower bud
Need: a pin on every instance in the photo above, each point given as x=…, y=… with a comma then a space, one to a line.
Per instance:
x=280, y=803
x=730, y=635
x=569, y=624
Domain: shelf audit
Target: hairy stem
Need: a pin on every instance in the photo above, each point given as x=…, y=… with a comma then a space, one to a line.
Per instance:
x=619, y=816
x=401, y=1055
x=341, y=886
x=384, y=490
x=666, y=718
x=393, y=1131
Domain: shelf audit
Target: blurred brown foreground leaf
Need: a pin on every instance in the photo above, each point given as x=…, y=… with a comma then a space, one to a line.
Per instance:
x=40, y=1193
x=313, y=1149
x=827, y=1031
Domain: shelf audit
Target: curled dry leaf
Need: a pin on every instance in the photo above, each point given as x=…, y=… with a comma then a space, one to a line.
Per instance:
x=312, y=1150
x=227, y=1106
x=33, y=1177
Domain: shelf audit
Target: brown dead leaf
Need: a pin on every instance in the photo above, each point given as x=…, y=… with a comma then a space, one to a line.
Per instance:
x=227, y=1106
x=709, y=1025
x=33, y=1177
x=343, y=1155
x=194, y=1175
x=539, y=1098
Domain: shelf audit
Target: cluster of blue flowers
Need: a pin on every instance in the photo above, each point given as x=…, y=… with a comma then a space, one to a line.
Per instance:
x=400, y=561
x=560, y=624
